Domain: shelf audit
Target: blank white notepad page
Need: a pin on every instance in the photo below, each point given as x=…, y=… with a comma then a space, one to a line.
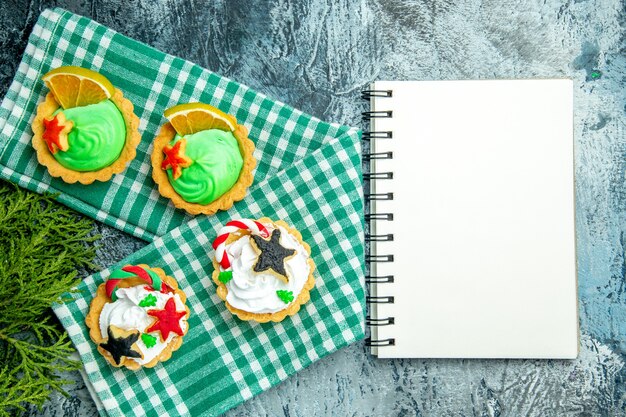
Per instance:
x=483, y=204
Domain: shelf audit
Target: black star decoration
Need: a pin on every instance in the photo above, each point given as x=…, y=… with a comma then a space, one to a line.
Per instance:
x=119, y=346
x=272, y=255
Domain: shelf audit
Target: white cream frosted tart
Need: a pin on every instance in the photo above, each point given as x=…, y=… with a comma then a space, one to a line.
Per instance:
x=263, y=269
x=138, y=317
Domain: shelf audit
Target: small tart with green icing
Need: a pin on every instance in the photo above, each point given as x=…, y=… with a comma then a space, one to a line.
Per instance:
x=138, y=317
x=263, y=269
x=202, y=159
x=84, y=130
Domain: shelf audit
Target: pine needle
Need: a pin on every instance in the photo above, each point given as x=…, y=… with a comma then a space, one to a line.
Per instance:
x=42, y=247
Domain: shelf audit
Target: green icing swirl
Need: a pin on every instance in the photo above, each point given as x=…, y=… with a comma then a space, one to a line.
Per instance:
x=97, y=138
x=216, y=165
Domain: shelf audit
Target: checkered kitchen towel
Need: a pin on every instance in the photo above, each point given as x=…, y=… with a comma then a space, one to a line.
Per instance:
x=153, y=81
x=223, y=360
x=308, y=174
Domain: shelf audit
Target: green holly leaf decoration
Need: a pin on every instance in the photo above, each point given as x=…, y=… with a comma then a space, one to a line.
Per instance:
x=149, y=301
x=148, y=340
x=225, y=276
x=285, y=296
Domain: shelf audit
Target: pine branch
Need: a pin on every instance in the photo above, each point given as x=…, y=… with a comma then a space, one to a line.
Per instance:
x=42, y=246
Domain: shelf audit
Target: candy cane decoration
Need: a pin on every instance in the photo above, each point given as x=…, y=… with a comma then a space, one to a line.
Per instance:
x=132, y=271
x=219, y=244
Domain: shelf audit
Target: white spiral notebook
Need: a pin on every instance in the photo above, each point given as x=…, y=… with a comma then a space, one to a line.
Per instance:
x=472, y=219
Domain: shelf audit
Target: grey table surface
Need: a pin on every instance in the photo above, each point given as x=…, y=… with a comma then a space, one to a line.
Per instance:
x=317, y=55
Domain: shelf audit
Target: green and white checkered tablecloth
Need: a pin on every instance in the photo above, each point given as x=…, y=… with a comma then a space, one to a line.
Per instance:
x=224, y=361
x=152, y=81
x=309, y=174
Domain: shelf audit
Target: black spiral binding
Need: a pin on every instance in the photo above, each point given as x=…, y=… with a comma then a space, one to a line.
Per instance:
x=376, y=176
x=377, y=135
x=368, y=94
